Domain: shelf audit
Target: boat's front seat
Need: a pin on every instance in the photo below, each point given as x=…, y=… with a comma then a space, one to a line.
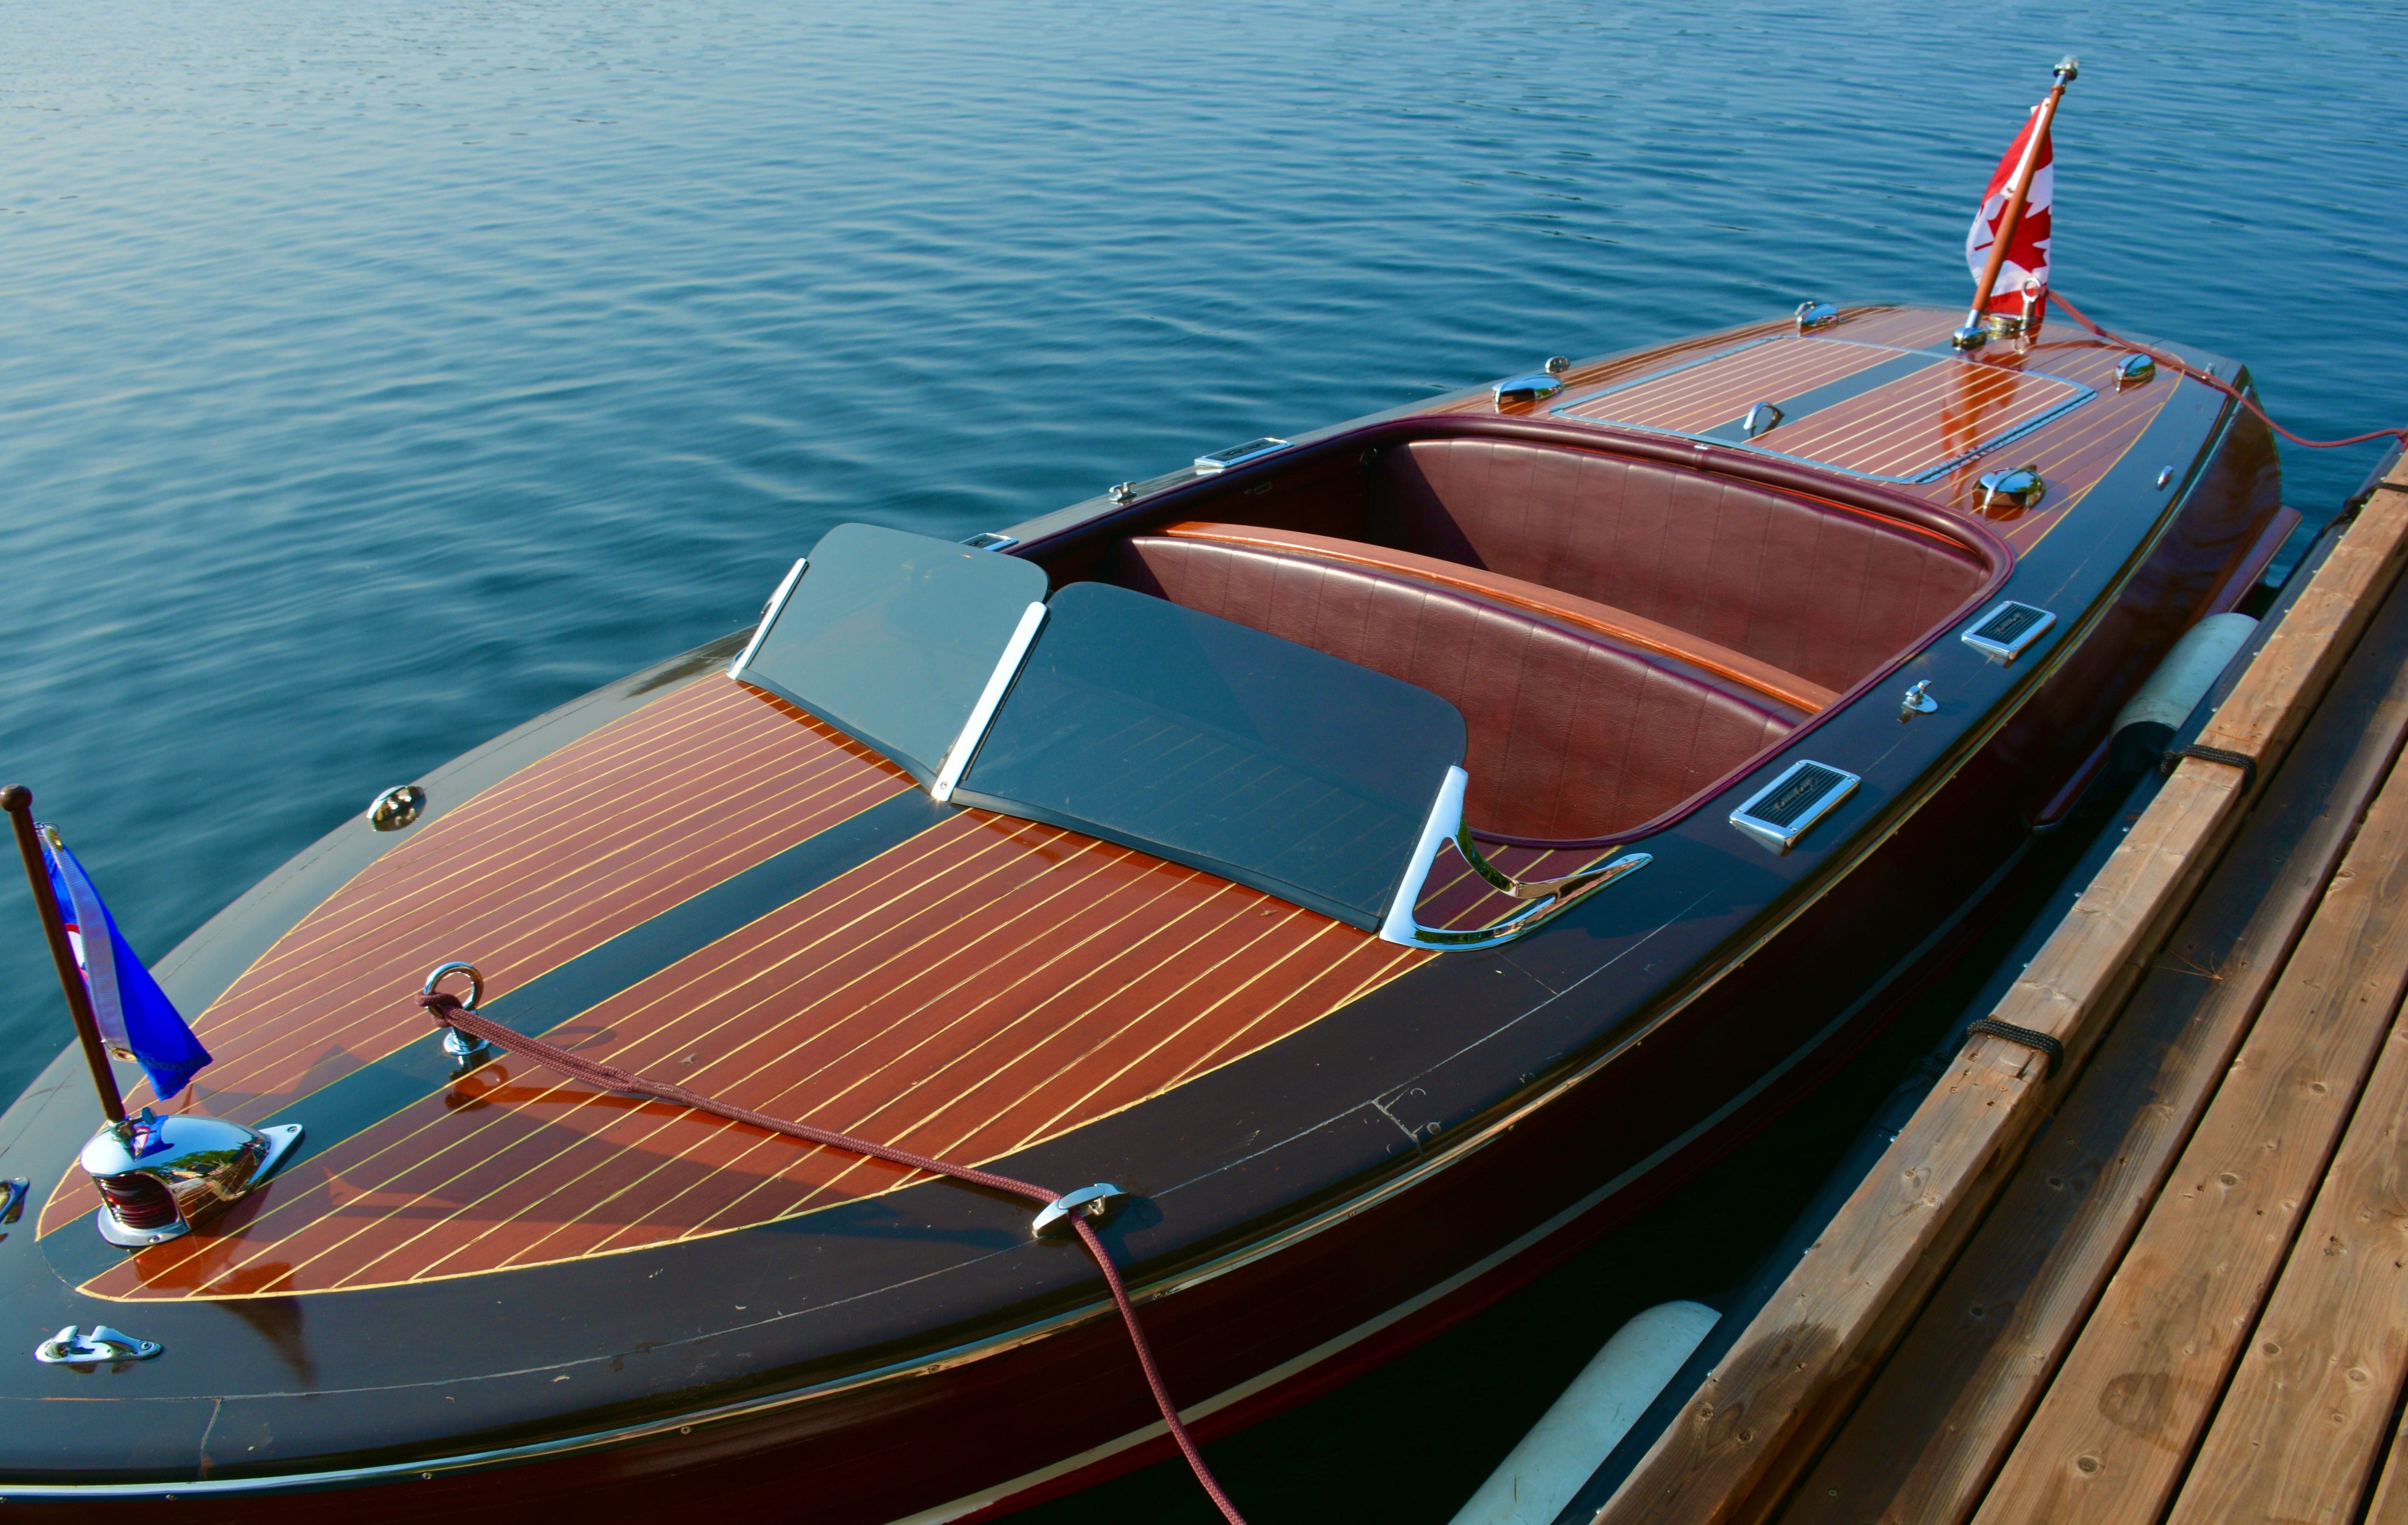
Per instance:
x=1574, y=732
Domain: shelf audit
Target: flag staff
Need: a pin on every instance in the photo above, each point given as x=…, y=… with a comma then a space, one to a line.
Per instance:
x=19, y=802
x=1972, y=335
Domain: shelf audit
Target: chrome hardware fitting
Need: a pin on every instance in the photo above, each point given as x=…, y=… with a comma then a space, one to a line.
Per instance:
x=396, y=807
x=1786, y=809
x=1550, y=896
x=1007, y=667
x=2135, y=371
x=12, y=1207
x=1971, y=337
x=159, y=1178
x=1238, y=454
x=68, y=1348
x=769, y=612
x=991, y=540
x=2002, y=325
x=2004, y=633
x=1813, y=315
x=1917, y=701
x=1096, y=1202
x=466, y=1052
x=2165, y=475
x=1763, y=416
x=2022, y=485
x=2033, y=295
x=1535, y=387
x=1558, y=364
x=1124, y=493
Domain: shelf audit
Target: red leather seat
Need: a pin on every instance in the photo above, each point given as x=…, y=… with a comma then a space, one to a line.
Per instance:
x=1572, y=733
x=1814, y=589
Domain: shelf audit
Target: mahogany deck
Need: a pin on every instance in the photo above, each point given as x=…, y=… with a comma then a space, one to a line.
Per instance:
x=1903, y=427
x=985, y=984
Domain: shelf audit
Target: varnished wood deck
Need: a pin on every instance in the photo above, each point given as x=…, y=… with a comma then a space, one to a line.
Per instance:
x=2187, y=1300
x=982, y=984
x=1902, y=427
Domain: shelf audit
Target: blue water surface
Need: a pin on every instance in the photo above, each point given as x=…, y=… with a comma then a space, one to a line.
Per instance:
x=373, y=377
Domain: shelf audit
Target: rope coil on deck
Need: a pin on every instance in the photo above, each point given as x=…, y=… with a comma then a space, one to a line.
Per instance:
x=448, y=1012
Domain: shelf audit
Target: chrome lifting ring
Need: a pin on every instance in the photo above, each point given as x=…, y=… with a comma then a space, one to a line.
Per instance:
x=463, y=1049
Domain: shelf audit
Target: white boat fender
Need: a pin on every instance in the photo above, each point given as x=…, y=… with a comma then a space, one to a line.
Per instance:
x=2183, y=680
x=1539, y=1476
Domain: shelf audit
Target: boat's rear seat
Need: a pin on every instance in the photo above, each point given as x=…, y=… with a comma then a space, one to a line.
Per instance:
x=1576, y=729
x=1811, y=588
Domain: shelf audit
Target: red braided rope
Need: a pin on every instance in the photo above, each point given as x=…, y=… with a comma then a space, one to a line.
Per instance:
x=2234, y=393
x=448, y=1012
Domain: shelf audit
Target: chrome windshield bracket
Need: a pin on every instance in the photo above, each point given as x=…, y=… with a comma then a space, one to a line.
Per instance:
x=998, y=683
x=1547, y=897
x=769, y=613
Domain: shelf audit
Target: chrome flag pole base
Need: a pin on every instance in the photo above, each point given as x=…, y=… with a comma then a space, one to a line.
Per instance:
x=1971, y=337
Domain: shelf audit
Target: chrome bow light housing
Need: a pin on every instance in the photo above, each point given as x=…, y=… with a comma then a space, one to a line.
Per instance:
x=161, y=1177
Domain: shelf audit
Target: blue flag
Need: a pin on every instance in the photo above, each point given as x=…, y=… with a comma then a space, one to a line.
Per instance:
x=136, y=1017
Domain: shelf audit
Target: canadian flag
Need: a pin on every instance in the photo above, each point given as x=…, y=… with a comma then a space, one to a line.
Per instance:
x=2028, y=249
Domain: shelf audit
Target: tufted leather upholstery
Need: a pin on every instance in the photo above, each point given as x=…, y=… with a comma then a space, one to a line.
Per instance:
x=1572, y=733
x=1811, y=588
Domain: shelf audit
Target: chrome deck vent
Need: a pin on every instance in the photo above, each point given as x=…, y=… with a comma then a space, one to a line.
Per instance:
x=1238, y=454
x=1786, y=808
x=2005, y=633
x=991, y=540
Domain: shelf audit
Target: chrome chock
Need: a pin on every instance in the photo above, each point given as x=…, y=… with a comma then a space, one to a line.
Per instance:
x=68, y=1348
x=1096, y=1202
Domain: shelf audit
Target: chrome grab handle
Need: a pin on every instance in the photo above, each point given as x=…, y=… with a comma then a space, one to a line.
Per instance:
x=1548, y=896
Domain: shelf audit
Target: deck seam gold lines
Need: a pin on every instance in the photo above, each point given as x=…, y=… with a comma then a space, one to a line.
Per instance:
x=439, y=1117
x=723, y=781
x=509, y=828
x=534, y=949
x=862, y=1121
x=628, y=866
x=619, y=1150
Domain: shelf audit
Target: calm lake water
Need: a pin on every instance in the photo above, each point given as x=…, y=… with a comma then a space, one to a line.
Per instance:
x=375, y=378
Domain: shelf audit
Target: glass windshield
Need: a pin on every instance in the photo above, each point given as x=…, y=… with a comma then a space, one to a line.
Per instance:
x=1215, y=745
x=890, y=636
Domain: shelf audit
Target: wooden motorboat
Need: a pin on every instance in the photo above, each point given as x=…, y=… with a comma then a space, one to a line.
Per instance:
x=1391, y=857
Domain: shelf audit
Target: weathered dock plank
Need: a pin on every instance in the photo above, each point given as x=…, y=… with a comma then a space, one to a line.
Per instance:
x=2298, y=1433
x=2109, y=1438
x=1932, y=1429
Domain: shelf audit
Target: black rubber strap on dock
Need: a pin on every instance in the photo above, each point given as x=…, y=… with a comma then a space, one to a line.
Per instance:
x=1991, y=1027
x=2247, y=765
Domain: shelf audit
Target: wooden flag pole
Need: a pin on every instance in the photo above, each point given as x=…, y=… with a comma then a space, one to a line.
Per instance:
x=19, y=802
x=1974, y=333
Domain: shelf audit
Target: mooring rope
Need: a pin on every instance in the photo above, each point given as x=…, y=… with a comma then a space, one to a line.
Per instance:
x=448, y=1012
x=2176, y=363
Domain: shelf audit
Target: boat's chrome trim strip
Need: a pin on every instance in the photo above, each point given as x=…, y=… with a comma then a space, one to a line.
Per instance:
x=1007, y=667
x=1445, y=824
x=769, y=612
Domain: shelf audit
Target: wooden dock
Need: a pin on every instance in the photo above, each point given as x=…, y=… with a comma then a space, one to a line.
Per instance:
x=2166, y=1277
